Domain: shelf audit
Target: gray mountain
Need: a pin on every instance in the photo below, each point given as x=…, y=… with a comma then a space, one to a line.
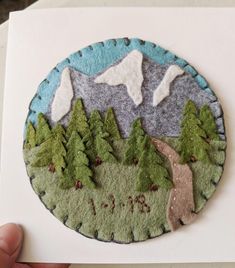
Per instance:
x=163, y=120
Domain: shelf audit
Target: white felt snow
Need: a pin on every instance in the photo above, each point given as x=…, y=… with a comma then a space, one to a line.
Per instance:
x=63, y=96
x=163, y=90
x=129, y=73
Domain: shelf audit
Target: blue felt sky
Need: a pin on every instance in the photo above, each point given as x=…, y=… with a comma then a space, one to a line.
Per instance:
x=97, y=57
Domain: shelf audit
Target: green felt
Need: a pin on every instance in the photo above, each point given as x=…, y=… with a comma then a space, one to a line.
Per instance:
x=91, y=212
x=43, y=131
x=134, y=145
x=102, y=146
x=78, y=120
x=96, y=123
x=77, y=164
x=129, y=219
x=151, y=169
x=88, y=140
x=30, y=139
x=192, y=136
x=110, y=125
x=52, y=151
x=208, y=123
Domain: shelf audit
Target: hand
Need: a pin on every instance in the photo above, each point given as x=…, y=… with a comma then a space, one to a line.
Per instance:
x=11, y=238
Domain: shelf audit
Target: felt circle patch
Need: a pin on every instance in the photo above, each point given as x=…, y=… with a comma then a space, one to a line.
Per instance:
x=124, y=141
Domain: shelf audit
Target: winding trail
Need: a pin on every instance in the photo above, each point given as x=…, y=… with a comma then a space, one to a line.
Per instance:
x=180, y=207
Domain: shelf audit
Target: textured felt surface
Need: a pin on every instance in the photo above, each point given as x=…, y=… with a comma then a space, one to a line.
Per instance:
x=77, y=168
x=101, y=144
x=95, y=214
x=77, y=120
x=110, y=125
x=129, y=73
x=44, y=129
x=97, y=57
x=113, y=211
x=134, y=143
x=161, y=120
x=163, y=89
x=63, y=96
x=52, y=150
x=193, y=144
x=205, y=175
x=208, y=123
x=180, y=207
x=151, y=169
x=30, y=139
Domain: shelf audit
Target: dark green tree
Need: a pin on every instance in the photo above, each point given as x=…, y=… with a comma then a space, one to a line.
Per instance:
x=77, y=164
x=78, y=120
x=43, y=131
x=30, y=139
x=151, y=170
x=193, y=145
x=110, y=125
x=134, y=144
x=208, y=123
x=52, y=151
x=103, y=149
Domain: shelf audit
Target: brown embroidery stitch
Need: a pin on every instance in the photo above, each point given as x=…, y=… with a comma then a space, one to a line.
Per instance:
x=91, y=201
x=112, y=198
x=143, y=206
x=131, y=202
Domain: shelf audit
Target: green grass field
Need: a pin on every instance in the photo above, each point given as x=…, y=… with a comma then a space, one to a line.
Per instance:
x=114, y=210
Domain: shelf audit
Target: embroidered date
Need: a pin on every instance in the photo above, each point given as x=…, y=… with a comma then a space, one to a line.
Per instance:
x=133, y=203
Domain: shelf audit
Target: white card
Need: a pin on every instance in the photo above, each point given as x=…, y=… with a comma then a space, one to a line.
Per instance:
x=38, y=40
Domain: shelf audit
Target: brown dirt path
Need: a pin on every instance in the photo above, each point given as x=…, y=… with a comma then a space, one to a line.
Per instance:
x=180, y=208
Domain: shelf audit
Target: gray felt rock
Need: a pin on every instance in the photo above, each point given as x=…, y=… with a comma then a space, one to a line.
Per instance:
x=163, y=120
x=220, y=125
x=216, y=109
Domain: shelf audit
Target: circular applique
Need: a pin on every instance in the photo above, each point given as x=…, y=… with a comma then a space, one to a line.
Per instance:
x=124, y=141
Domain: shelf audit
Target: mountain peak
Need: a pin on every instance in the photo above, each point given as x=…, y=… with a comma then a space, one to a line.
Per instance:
x=129, y=73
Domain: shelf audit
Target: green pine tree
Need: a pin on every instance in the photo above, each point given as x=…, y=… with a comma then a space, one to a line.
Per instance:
x=150, y=168
x=30, y=140
x=88, y=141
x=77, y=164
x=110, y=125
x=78, y=120
x=52, y=151
x=59, y=152
x=43, y=131
x=134, y=145
x=208, y=123
x=192, y=138
x=103, y=149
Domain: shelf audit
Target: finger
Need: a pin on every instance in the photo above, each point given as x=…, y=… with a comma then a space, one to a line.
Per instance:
x=49, y=265
x=11, y=236
x=21, y=265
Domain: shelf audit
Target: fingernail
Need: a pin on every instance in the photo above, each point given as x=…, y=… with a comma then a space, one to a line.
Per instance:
x=10, y=238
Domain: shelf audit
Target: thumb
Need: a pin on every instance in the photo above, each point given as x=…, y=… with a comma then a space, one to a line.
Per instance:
x=11, y=237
